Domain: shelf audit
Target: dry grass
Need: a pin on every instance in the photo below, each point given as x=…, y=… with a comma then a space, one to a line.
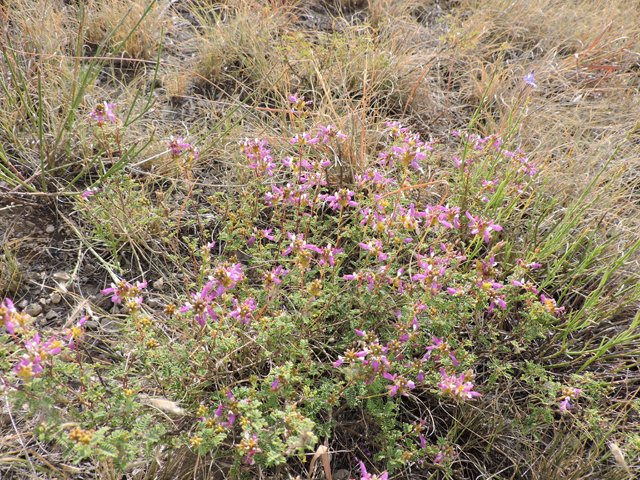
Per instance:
x=425, y=63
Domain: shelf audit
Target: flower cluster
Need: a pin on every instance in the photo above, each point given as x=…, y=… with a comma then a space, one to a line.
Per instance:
x=130, y=296
x=37, y=352
x=459, y=387
x=369, y=476
x=568, y=394
x=177, y=146
x=259, y=155
x=102, y=113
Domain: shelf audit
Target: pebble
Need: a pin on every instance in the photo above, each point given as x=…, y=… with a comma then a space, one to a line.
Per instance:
x=23, y=304
x=33, y=309
x=51, y=314
x=50, y=229
x=158, y=284
x=154, y=303
x=56, y=298
x=62, y=276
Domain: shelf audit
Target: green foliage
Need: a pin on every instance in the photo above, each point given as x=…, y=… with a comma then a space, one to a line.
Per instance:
x=349, y=303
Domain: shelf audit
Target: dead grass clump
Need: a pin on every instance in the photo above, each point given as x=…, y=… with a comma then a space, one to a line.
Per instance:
x=130, y=28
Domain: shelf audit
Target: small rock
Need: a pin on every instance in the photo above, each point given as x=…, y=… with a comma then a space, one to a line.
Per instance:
x=51, y=315
x=341, y=474
x=33, y=309
x=109, y=325
x=62, y=276
x=40, y=320
x=50, y=229
x=153, y=303
x=29, y=224
x=23, y=304
x=56, y=298
x=158, y=284
x=43, y=301
x=92, y=324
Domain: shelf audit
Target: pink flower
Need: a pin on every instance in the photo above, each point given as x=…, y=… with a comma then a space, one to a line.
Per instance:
x=243, y=310
x=460, y=388
x=400, y=384
x=369, y=476
x=549, y=304
x=375, y=247
x=177, y=145
x=124, y=290
x=341, y=199
x=298, y=103
x=249, y=446
x=75, y=333
x=103, y=112
x=7, y=310
x=329, y=132
x=442, y=347
x=327, y=254
x=201, y=305
x=479, y=225
x=568, y=394
x=530, y=80
x=273, y=277
x=225, y=277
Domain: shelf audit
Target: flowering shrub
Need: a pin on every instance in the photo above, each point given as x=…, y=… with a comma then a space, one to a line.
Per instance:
x=359, y=296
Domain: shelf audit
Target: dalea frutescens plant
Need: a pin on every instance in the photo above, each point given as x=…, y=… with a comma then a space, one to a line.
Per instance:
x=314, y=300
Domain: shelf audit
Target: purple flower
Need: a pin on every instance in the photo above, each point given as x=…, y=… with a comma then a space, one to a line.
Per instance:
x=442, y=347
x=375, y=247
x=88, y=192
x=549, y=304
x=28, y=368
x=369, y=476
x=456, y=292
x=327, y=254
x=530, y=80
x=446, y=451
x=528, y=286
x=297, y=244
x=243, y=310
x=177, y=145
x=231, y=407
x=124, y=290
x=341, y=199
x=75, y=333
x=400, y=384
x=568, y=394
x=7, y=310
x=260, y=234
x=479, y=225
x=396, y=129
x=103, y=112
x=327, y=133
x=460, y=388
x=304, y=139
x=272, y=277
x=225, y=277
x=249, y=446
x=298, y=103
x=259, y=155
x=201, y=305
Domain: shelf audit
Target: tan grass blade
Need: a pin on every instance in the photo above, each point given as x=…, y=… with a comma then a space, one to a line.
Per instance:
x=324, y=452
x=166, y=405
x=619, y=457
